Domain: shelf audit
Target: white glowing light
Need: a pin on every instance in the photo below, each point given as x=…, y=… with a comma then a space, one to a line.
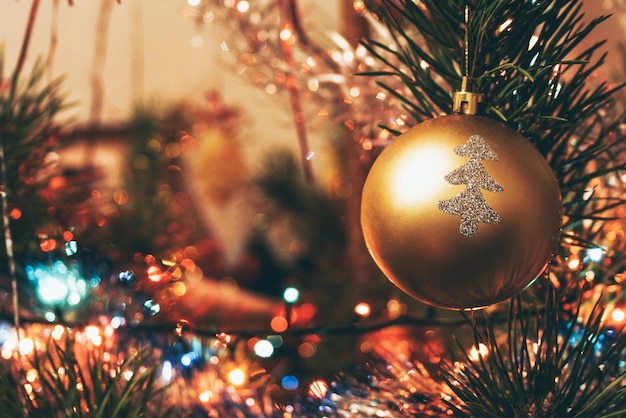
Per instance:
x=92, y=332
x=58, y=332
x=237, y=377
x=264, y=349
x=340, y=41
x=73, y=299
x=52, y=290
x=271, y=88
x=285, y=34
x=534, y=60
x=361, y=51
x=166, y=371
x=595, y=254
x=196, y=41
x=505, y=25
x=476, y=353
x=355, y=92
x=243, y=6
x=193, y=3
x=618, y=315
x=314, y=84
x=291, y=295
x=27, y=346
x=205, y=396
x=108, y=331
x=117, y=321
x=362, y=309
x=94, y=335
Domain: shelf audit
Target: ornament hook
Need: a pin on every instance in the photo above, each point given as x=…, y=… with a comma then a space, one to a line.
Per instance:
x=466, y=101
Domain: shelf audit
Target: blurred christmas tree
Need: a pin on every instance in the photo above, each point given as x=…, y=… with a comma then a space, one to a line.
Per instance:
x=555, y=349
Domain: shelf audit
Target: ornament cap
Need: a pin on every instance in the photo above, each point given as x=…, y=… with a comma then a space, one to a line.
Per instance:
x=466, y=102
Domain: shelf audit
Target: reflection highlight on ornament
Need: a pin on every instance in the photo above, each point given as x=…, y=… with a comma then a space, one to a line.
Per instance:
x=429, y=164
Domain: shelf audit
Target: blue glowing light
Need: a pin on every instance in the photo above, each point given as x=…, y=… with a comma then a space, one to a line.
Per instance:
x=57, y=283
x=127, y=277
x=153, y=307
x=188, y=359
x=289, y=382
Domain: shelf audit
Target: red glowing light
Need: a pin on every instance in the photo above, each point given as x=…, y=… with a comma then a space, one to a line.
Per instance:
x=47, y=245
x=306, y=350
x=15, y=213
x=279, y=324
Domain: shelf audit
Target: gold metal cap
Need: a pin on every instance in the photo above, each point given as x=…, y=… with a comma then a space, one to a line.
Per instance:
x=464, y=101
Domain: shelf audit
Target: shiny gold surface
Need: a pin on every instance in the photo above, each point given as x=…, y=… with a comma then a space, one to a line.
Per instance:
x=419, y=247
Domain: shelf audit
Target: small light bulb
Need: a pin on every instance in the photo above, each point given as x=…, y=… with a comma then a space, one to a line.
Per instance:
x=237, y=377
x=291, y=294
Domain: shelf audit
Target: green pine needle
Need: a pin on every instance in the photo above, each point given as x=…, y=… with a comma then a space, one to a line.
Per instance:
x=29, y=111
x=533, y=369
x=77, y=382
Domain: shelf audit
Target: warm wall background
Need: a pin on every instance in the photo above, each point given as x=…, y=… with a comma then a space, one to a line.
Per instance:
x=149, y=52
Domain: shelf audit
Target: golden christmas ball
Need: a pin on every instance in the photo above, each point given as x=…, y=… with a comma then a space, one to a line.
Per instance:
x=461, y=212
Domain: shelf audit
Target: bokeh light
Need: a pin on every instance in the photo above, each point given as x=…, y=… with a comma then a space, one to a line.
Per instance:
x=291, y=295
x=237, y=377
x=263, y=348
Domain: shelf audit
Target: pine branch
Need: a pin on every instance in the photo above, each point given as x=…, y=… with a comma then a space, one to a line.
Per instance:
x=540, y=370
x=77, y=382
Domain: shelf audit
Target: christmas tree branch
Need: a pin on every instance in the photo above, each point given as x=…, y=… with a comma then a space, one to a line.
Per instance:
x=540, y=370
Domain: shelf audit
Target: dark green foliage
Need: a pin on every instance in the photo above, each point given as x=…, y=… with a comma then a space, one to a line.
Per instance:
x=158, y=213
x=315, y=215
x=548, y=364
x=29, y=109
x=77, y=382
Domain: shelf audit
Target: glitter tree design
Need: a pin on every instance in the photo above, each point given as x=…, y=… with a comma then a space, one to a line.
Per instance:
x=470, y=204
